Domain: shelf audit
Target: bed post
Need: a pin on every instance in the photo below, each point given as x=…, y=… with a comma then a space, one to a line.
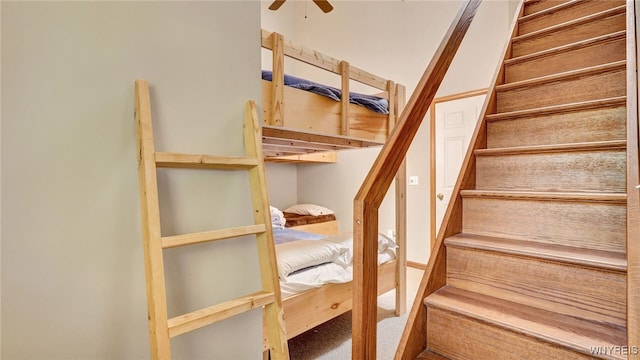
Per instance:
x=345, y=73
x=277, y=79
x=393, y=103
x=401, y=238
x=401, y=209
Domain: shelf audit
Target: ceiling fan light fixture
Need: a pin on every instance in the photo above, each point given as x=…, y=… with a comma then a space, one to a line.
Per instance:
x=322, y=4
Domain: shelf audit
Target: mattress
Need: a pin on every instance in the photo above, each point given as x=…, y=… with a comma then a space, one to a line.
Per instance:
x=306, y=264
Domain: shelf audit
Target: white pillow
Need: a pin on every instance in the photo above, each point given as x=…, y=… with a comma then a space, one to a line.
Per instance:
x=277, y=218
x=299, y=254
x=346, y=239
x=308, y=209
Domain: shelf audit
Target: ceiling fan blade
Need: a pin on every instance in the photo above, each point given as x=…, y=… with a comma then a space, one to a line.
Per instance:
x=323, y=5
x=276, y=4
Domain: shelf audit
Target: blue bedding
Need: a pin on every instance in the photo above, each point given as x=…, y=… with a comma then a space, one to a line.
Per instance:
x=285, y=235
x=374, y=103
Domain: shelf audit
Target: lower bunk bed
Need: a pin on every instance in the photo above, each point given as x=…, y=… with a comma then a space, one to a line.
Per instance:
x=315, y=271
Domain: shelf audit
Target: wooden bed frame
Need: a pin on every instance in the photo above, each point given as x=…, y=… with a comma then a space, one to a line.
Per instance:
x=300, y=126
x=313, y=307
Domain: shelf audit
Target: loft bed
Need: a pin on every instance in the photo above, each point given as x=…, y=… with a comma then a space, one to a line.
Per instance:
x=319, y=288
x=301, y=125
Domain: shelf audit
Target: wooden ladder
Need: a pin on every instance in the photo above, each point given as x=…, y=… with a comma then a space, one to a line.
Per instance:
x=161, y=328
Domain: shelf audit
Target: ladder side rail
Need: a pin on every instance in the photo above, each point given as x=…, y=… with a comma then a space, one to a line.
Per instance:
x=151, y=232
x=274, y=313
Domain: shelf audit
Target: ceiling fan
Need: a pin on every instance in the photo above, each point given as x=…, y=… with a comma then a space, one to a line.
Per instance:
x=322, y=4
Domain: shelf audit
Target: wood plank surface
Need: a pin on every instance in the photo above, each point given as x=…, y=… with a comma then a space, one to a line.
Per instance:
x=312, y=112
x=497, y=327
x=577, y=291
x=587, y=27
x=571, y=170
x=563, y=13
x=151, y=232
x=313, y=307
x=534, y=6
x=597, y=226
x=587, y=53
x=596, y=83
x=598, y=121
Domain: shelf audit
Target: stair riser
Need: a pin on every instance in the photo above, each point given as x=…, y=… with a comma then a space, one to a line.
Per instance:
x=568, y=35
x=535, y=6
x=570, y=171
x=596, y=226
x=583, y=57
x=592, y=87
x=566, y=14
x=604, y=124
x=570, y=290
x=458, y=337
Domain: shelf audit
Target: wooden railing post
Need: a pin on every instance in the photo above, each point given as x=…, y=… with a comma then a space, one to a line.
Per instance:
x=377, y=182
x=277, y=79
x=345, y=74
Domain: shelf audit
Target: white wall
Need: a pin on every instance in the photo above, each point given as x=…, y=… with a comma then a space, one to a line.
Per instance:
x=282, y=184
x=395, y=40
x=335, y=186
x=72, y=263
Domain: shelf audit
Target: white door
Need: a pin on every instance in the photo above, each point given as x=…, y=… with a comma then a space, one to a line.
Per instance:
x=455, y=121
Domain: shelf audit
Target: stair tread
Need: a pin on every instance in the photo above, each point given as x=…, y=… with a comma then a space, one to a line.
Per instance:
x=584, y=146
x=548, y=195
x=554, y=109
x=608, y=260
x=574, y=333
x=568, y=47
x=602, y=14
x=617, y=65
x=549, y=10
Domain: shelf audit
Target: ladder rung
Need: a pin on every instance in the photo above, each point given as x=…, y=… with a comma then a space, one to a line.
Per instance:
x=205, y=236
x=194, y=320
x=196, y=161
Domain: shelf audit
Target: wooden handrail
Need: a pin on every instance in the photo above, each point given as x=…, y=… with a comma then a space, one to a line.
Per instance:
x=377, y=182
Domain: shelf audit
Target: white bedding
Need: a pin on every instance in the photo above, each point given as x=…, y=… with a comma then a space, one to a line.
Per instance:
x=329, y=262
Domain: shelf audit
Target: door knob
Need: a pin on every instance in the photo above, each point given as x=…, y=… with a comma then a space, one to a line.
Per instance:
x=440, y=196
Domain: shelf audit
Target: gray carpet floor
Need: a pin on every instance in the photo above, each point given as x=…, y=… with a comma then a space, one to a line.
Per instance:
x=332, y=340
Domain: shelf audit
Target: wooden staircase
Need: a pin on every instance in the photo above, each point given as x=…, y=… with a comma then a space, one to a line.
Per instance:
x=538, y=254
